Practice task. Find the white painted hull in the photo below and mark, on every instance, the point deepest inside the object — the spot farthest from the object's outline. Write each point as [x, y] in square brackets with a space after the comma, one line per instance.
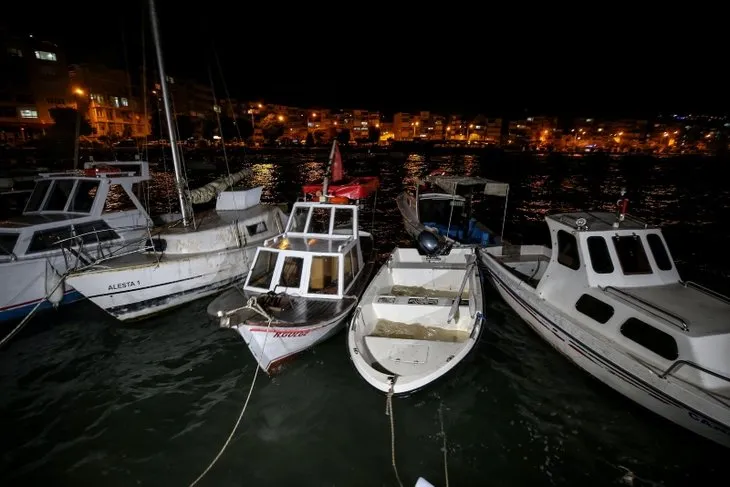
[138, 291]
[272, 345]
[667, 397]
[420, 344]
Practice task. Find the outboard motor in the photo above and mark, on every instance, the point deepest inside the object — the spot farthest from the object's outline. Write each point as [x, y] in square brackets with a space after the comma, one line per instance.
[429, 243]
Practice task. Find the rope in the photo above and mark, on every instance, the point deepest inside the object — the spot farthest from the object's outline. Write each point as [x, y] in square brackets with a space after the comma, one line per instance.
[32, 312]
[443, 435]
[252, 304]
[389, 412]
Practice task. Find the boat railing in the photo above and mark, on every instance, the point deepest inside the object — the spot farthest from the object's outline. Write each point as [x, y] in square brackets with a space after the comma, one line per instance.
[706, 290]
[650, 308]
[80, 249]
[681, 363]
[457, 300]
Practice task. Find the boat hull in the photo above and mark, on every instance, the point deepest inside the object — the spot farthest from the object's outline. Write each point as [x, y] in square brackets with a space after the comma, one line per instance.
[629, 377]
[272, 345]
[137, 291]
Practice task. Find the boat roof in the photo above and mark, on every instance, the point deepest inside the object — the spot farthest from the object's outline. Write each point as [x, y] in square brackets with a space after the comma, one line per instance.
[450, 184]
[598, 221]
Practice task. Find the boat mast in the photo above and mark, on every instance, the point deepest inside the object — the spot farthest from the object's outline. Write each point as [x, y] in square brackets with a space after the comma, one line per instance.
[185, 208]
[327, 173]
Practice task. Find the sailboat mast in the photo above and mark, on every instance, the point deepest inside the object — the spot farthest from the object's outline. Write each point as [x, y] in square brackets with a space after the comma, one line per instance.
[328, 173]
[179, 176]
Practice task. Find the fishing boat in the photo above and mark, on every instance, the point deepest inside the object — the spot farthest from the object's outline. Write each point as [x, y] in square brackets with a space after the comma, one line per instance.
[304, 283]
[190, 258]
[71, 219]
[419, 317]
[608, 296]
[443, 204]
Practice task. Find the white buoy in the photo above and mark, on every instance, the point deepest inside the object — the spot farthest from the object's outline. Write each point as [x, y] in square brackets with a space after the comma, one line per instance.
[421, 482]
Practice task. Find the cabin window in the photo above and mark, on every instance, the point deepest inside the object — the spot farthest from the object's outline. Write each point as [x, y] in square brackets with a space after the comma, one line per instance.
[600, 258]
[657, 341]
[568, 250]
[256, 228]
[324, 274]
[349, 274]
[320, 222]
[7, 243]
[59, 195]
[36, 198]
[263, 269]
[355, 260]
[344, 221]
[594, 308]
[659, 251]
[117, 199]
[97, 231]
[299, 219]
[291, 272]
[49, 239]
[83, 200]
[631, 255]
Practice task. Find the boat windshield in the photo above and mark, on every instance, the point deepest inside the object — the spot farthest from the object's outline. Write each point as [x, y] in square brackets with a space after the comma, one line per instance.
[7, 243]
[263, 269]
[71, 195]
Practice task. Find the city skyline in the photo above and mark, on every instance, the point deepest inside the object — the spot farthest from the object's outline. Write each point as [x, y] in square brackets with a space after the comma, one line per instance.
[304, 62]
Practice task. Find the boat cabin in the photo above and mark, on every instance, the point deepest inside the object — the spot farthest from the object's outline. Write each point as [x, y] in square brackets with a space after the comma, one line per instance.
[318, 256]
[95, 204]
[619, 280]
[446, 203]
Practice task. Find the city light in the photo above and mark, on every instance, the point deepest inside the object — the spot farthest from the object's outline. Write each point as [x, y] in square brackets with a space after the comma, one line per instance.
[281, 118]
[79, 92]
[260, 106]
[314, 114]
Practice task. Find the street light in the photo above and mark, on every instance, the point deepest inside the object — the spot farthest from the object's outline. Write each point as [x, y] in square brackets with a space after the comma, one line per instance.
[281, 118]
[77, 93]
[471, 126]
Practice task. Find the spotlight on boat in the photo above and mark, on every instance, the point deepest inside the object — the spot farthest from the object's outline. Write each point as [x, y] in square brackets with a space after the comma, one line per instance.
[428, 242]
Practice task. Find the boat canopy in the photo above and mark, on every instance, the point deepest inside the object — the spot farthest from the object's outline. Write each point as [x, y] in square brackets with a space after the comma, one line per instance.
[354, 188]
[451, 183]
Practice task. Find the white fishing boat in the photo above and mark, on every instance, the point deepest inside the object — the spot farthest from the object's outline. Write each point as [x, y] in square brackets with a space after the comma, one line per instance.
[188, 259]
[71, 219]
[418, 319]
[304, 283]
[608, 296]
[444, 205]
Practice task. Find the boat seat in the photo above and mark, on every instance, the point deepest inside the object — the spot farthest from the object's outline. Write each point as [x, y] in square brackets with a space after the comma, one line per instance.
[403, 356]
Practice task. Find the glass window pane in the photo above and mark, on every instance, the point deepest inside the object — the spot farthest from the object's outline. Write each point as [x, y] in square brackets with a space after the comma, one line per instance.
[659, 342]
[659, 251]
[631, 255]
[324, 274]
[355, 262]
[298, 219]
[343, 221]
[48, 239]
[594, 308]
[263, 269]
[600, 258]
[36, 198]
[320, 222]
[59, 195]
[97, 231]
[117, 200]
[291, 272]
[7, 243]
[568, 250]
[256, 228]
[348, 274]
[84, 197]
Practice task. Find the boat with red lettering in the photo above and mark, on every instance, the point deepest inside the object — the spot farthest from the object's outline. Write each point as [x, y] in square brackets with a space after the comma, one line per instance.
[304, 283]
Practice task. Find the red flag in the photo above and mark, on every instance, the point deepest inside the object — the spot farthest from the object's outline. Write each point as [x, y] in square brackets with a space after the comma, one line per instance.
[338, 172]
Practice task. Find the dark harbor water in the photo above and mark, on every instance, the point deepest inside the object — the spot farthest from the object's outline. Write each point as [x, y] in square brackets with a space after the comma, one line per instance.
[86, 401]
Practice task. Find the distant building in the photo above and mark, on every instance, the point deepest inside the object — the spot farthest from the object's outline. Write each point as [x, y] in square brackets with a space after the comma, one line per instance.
[404, 126]
[33, 79]
[112, 104]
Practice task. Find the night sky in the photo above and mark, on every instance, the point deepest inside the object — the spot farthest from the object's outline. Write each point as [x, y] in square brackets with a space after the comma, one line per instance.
[408, 56]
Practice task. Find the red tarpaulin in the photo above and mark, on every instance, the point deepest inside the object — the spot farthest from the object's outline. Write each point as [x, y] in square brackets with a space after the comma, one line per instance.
[354, 189]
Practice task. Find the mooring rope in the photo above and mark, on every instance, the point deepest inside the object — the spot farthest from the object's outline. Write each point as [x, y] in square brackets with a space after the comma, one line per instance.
[253, 305]
[389, 412]
[443, 436]
[32, 312]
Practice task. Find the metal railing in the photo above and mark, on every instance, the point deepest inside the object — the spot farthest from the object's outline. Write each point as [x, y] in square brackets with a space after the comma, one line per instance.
[706, 290]
[650, 307]
[725, 400]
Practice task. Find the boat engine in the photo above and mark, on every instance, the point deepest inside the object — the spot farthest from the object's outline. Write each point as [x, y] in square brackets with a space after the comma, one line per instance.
[430, 243]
